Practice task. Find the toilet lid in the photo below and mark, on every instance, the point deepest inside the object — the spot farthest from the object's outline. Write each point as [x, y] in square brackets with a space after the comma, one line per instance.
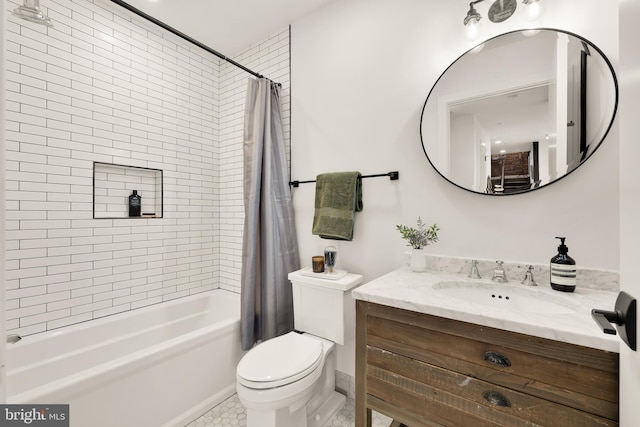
[280, 361]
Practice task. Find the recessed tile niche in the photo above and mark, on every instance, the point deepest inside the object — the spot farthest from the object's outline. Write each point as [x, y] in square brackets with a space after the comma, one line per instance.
[113, 184]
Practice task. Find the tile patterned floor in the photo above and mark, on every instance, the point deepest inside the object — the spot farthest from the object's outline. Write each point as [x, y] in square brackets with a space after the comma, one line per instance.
[232, 413]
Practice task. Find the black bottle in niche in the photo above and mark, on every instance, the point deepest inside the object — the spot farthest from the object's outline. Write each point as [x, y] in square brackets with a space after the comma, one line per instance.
[135, 204]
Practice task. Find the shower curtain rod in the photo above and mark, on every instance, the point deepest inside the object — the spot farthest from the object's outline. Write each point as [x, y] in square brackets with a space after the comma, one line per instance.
[395, 175]
[186, 37]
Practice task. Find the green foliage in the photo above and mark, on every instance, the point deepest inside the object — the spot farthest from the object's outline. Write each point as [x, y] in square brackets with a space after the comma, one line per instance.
[419, 237]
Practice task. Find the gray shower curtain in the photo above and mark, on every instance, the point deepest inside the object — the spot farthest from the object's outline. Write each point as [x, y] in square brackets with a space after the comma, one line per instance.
[270, 247]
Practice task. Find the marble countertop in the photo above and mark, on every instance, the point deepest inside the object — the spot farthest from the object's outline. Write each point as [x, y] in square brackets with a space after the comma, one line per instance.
[419, 292]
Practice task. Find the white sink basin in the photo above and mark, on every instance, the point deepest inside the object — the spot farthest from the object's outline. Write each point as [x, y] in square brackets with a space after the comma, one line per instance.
[511, 297]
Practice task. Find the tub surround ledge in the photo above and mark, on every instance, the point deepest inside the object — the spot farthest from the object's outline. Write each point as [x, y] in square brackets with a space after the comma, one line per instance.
[408, 290]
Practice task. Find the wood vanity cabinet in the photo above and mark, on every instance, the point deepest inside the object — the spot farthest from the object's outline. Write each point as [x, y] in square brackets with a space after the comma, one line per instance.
[423, 370]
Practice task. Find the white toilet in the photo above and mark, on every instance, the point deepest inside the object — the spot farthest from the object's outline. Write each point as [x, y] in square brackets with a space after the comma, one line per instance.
[289, 381]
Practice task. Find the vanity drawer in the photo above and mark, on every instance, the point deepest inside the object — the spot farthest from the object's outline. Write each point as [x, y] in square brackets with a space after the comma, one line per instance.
[451, 398]
[452, 364]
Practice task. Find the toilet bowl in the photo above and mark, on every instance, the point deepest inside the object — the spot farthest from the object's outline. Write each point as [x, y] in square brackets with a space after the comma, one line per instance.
[289, 381]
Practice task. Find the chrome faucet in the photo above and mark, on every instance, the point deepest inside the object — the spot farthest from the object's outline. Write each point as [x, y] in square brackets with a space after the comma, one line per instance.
[474, 273]
[499, 274]
[528, 277]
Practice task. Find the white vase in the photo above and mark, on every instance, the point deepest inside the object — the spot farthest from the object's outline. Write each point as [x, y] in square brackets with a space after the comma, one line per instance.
[418, 260]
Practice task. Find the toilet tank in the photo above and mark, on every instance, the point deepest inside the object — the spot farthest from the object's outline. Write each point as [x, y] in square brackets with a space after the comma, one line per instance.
[324, 307]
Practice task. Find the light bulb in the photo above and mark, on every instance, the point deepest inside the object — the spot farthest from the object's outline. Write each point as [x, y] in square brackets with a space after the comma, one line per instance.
[472, 30]
[532, 9]
[472, 22]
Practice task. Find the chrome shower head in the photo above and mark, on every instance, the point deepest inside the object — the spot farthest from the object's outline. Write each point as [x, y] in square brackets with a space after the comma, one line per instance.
[30, 11]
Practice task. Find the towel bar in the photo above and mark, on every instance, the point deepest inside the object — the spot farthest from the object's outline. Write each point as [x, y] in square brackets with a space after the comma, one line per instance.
[393, 176]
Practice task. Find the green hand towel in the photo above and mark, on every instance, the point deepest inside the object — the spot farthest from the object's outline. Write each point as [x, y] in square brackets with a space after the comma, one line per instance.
[338, 198]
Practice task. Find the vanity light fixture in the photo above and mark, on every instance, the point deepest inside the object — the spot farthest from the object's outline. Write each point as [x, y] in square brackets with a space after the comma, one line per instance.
[473, 17]
[472, 21]
[499, 11]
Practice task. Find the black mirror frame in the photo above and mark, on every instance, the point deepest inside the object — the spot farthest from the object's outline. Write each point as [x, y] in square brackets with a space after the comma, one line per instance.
[604, 136]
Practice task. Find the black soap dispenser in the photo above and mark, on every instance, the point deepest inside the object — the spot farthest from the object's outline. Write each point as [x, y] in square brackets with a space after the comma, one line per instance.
[563, 270]
[135, 204]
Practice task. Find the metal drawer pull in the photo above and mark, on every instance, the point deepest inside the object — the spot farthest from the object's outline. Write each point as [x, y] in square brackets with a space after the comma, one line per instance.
[496, 358]
[496, 398]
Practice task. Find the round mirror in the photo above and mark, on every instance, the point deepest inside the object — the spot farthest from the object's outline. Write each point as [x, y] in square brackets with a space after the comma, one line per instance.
[519, 111]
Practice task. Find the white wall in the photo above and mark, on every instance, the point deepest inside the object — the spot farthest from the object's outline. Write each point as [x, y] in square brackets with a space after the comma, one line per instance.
[361, 70]
[463, 141]
[630, 204]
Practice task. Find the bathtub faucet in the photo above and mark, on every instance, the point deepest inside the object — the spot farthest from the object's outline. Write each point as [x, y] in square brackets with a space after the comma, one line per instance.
[13, 338]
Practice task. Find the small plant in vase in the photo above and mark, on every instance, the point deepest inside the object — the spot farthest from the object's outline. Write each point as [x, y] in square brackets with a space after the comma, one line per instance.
[418, 239]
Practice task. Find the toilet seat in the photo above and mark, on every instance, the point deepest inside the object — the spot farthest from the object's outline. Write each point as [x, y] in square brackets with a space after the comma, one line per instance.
[280, 361]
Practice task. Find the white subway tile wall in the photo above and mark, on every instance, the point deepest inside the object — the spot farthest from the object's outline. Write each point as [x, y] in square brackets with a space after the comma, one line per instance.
[104, 85]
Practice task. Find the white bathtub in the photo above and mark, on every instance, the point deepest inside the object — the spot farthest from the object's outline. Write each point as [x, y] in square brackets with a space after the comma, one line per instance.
[161, 365]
